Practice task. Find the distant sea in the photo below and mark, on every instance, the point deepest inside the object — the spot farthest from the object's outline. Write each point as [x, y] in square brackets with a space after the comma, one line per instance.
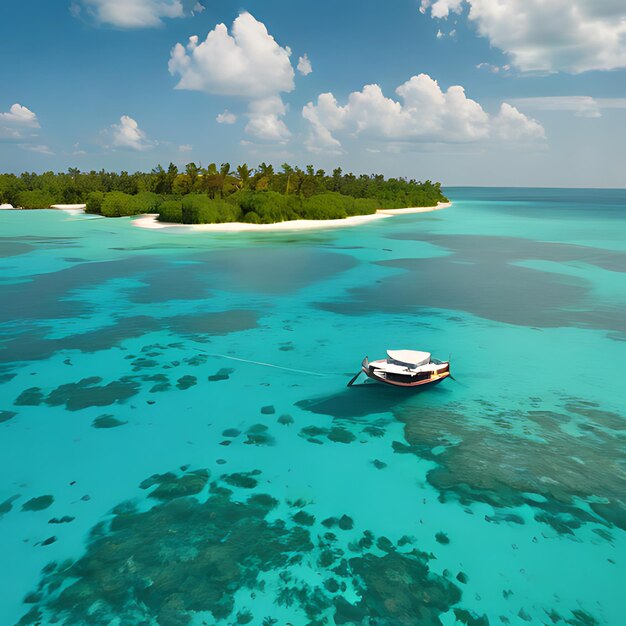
[178, 444]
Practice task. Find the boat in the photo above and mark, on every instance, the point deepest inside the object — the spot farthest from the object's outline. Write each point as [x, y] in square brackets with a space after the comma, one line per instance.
[405, 368]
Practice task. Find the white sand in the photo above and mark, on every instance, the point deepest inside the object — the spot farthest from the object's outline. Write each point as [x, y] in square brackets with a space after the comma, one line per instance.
[72, 209]
[150, 221]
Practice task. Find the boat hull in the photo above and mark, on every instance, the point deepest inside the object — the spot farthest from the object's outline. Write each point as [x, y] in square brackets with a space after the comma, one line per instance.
[405, 381]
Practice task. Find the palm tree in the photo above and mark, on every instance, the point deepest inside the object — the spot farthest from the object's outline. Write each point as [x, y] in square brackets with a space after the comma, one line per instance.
[243, 172]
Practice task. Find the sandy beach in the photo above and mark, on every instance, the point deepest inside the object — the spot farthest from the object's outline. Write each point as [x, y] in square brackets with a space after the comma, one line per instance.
[150, 221]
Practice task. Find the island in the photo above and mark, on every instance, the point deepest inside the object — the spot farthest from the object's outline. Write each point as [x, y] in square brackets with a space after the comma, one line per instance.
[221, 195]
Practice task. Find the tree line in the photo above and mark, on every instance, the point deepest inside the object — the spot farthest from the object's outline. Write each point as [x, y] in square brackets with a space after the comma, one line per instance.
[198, 194]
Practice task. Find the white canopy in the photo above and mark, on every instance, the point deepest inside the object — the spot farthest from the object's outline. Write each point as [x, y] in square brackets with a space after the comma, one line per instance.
[409, 357]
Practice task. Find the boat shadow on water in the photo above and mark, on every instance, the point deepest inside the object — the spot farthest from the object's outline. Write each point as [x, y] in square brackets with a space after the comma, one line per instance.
[363, 399]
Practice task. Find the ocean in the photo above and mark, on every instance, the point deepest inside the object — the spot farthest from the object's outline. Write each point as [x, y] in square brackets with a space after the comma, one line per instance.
[178, 444]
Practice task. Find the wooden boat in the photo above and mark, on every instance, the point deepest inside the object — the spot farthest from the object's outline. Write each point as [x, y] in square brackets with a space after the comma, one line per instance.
[405, 368]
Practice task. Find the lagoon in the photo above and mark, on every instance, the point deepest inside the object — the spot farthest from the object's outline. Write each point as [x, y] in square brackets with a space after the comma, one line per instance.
[151, 452]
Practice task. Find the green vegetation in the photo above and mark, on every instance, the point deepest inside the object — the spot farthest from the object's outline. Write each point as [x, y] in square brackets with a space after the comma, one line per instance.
[200, 195]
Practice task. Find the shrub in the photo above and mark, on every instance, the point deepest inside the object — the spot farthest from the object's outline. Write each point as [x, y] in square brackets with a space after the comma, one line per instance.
[119, 204]
[329, 206]
[171, 211]
[252, 218]
[116, 204]
[94, 202]
[144, 202]
[35, 199]
[200, 209]
[269, 206]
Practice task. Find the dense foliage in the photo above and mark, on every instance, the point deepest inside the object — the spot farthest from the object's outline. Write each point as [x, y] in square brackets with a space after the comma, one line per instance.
[204, 195]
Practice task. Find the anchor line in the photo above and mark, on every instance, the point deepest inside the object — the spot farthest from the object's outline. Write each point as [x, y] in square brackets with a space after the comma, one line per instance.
[261, 363]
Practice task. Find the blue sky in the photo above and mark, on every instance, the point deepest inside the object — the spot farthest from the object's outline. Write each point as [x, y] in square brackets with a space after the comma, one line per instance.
[468, 92]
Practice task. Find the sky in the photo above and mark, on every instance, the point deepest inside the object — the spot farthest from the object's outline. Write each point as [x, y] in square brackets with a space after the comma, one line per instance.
[465, 92]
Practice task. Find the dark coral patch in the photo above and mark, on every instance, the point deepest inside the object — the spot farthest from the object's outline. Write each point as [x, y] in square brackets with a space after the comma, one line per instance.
[186, 555]
[5, 416]
[231, 432]
[185, 382]
[222, 374]
[258, 435]
[33, 396]
[170, 486]
[303, 518]
[38, 504]
[557, 457]
[161, 381]
[397, 588]
[245, 480]
[66, 519]
[337, 434]
[107, 421]
[163, 565]
[87, 392]
[7, 505]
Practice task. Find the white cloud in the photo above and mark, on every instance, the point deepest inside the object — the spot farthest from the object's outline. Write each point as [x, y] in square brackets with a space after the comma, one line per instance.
[547, 36]
[265, 120]
[226, 117]
[185, 148]
[40, 148]
[494, 69]
[441, 8]
[426, 114]
[304, 65]
[248, 63]
[580, 106]
[18, 123]
[127, 134]
[511, 125]
[135, 13]
[19, 115]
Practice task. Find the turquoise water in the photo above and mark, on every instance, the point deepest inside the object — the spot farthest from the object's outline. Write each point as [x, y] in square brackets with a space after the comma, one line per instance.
[178, 444]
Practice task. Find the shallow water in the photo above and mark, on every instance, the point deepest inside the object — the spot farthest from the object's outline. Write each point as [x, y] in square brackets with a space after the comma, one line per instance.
[178, 445]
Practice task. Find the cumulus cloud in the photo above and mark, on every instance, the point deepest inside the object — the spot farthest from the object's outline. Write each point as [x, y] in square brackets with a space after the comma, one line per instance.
[18, 123]
[185, 148]
[426, 114]
[127, 134]
[304, 65]
[511, 125]
[561, 35]
[226, 117]
[19, 115]
[135, 13]
[265, 119]
[441, 8]
[247, 63]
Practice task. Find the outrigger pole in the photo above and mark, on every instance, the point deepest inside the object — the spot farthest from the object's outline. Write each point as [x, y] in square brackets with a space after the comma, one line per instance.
[354, 379]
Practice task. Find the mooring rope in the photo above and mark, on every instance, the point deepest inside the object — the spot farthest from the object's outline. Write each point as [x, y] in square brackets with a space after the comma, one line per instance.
[278, 367]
